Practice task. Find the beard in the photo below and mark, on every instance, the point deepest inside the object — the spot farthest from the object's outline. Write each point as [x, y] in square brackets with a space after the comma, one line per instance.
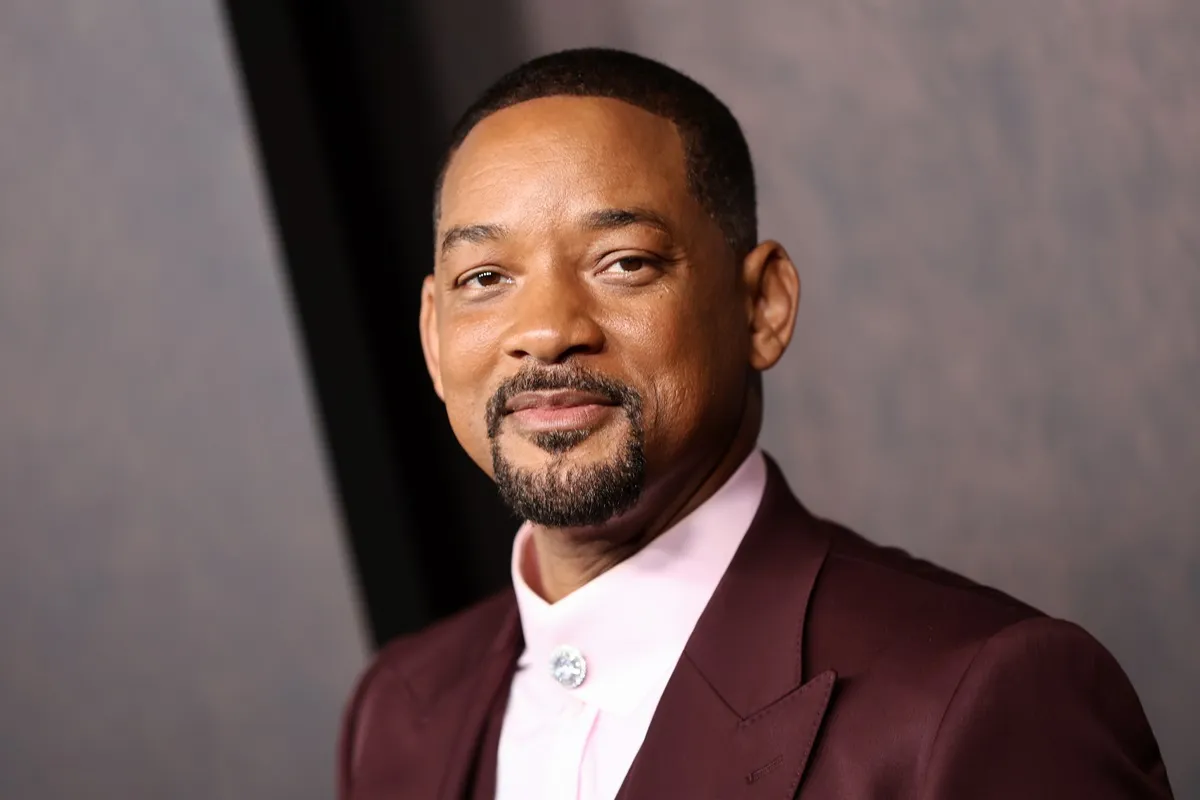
[563, 495]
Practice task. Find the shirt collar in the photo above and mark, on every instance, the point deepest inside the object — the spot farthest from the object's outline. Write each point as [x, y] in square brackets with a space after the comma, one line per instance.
[632, 622]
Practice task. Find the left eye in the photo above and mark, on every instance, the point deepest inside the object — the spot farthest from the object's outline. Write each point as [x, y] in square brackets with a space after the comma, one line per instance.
[628, 264]
[483, 279]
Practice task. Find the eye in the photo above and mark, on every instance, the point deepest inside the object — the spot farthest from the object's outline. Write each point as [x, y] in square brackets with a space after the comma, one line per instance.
[632, 270]
[482, 279]
[629, 265]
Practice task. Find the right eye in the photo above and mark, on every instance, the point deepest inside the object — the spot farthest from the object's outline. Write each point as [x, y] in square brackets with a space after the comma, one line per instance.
[483, 279]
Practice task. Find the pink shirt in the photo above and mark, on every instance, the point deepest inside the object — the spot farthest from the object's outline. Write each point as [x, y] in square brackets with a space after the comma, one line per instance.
[629, 625]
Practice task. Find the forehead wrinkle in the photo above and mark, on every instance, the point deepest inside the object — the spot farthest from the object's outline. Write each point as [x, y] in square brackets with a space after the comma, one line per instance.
[475, 191]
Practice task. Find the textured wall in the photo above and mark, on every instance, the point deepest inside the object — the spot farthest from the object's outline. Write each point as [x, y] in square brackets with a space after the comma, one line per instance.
[177, 620]
[995, 208]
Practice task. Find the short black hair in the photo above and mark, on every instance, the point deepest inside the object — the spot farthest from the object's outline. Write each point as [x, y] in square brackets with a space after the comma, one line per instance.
[720, 171]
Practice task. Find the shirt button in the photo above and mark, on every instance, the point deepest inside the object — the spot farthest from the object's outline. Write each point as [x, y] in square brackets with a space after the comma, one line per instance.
[568, 667]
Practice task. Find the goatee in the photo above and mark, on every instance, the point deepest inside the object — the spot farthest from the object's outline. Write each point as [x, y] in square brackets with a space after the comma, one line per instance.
[563, 495]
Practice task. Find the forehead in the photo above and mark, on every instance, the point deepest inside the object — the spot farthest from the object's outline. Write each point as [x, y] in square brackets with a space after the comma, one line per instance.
[553, 156]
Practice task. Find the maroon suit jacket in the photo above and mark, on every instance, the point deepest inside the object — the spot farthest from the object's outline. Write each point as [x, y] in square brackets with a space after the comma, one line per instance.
[823, 667]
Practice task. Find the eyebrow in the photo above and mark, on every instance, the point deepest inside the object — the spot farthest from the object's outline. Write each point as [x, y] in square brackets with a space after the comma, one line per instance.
[605, 219]
[608, 219]
[474, 234]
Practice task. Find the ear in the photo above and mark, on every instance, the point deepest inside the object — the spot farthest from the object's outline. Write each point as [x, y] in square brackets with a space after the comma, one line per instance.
[772, 288]
[429, 334]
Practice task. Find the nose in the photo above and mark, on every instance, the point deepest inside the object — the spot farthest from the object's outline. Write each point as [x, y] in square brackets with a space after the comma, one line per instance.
[552, 320]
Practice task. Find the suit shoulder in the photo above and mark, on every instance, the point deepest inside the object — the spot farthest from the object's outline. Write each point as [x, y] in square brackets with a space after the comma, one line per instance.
[901, 605]
[903, 574]
[447, 641]
[410, 669]
[1082, 729]
[431, 656]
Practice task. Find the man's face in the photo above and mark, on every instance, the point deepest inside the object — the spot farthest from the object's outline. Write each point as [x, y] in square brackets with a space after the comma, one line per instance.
[585, 322]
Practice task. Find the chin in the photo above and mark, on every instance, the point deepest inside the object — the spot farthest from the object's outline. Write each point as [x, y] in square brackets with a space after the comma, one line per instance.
[571, 478]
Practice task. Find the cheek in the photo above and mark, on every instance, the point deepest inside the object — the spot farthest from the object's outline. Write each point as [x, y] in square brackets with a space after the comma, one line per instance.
[687, 355]
[466, 372]
[467, 420]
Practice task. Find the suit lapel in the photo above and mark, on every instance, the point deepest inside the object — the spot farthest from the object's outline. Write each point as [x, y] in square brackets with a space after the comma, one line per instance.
[423, 738]
[476, 702]
[739, 717]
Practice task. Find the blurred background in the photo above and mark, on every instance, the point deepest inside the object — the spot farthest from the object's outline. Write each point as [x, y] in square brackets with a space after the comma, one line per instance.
[224, 477]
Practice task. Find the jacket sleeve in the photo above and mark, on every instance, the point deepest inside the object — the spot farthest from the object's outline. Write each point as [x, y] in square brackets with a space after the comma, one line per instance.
[1044, 711]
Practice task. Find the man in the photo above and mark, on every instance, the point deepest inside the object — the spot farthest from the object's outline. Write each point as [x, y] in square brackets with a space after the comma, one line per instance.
[597, 321]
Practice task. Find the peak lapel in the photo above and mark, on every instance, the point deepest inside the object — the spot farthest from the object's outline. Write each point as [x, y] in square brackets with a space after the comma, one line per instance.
[738, 719]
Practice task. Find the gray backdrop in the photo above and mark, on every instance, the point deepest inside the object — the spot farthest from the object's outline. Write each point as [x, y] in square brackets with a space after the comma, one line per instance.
[177, 615]
[995, 207]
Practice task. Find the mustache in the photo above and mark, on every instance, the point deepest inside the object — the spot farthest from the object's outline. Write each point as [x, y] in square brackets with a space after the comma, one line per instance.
[573, 378]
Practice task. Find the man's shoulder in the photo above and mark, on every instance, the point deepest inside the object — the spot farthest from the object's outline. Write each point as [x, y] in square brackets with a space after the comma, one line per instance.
[894, 604]
[444, 649]
[472, 630]
[404, 681]
[894, 574]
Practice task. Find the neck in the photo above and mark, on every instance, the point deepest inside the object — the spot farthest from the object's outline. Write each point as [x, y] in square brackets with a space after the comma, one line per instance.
[562, 560]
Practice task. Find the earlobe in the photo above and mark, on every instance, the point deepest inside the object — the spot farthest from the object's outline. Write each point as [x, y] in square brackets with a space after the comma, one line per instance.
[773, 286]
[429, 334]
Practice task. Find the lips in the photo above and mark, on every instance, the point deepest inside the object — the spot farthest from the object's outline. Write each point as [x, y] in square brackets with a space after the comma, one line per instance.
[558, 410]
[560, 399]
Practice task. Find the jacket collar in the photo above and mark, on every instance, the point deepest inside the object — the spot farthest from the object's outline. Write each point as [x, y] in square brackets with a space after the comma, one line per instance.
[739, 716]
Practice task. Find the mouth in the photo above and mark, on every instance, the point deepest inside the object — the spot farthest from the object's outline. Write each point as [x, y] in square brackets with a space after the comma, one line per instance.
[559, 410]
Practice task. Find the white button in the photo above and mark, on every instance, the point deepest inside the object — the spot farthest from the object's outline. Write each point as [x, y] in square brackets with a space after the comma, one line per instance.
[568, 667]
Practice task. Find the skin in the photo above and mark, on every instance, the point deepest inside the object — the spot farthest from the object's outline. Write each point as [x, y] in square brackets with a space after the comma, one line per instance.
[533, 267]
